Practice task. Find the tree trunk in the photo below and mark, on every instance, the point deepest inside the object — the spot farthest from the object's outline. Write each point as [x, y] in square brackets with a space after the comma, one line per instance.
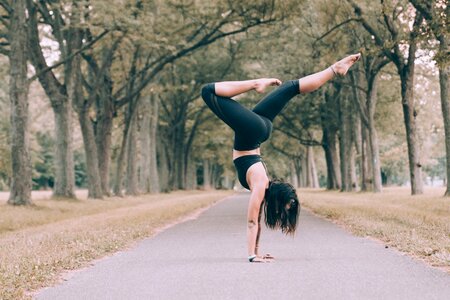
[365, 184]
[373, 138]
[144, 141]
[64, 166]
[294, 178]
[206, 174]
[132, 178]
[20, 193]
[154, 113]
[163, 167]
[409, 114]
[444, 72]
[313, 181]
[191, 178]
[104, 125]
[345, 144]
[90, 149]
[120, 166]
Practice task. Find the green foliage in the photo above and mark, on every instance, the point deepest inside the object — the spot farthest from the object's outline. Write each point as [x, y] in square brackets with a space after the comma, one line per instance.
[43, 173]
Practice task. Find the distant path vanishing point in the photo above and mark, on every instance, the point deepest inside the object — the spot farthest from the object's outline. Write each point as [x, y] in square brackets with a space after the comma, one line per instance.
[206, 259]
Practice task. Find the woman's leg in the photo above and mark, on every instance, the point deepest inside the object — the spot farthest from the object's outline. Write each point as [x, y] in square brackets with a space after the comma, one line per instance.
[238, 117]
[314, 81]
[233, 88]
[271, 105]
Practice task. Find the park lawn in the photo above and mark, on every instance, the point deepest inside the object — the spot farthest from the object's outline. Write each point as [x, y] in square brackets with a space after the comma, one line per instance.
[417, 225]
[38, 243]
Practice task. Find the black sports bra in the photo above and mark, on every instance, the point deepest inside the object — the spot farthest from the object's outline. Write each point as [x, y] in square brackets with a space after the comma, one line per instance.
[243, 163]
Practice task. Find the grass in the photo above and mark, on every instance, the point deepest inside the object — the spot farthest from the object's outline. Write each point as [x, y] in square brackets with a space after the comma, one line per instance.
[417, 225]
[38, 243]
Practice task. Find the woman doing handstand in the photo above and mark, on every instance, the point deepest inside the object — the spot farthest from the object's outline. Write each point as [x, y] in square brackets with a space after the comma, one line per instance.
[252, 127]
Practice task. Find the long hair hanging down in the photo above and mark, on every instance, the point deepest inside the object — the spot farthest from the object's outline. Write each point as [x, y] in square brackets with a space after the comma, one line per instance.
[281, 207]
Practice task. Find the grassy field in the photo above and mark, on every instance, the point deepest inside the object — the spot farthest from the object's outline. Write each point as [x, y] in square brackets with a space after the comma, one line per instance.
[38, 243]
[419, 225]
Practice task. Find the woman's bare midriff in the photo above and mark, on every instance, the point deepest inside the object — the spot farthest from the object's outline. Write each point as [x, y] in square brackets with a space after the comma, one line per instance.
[237, 153]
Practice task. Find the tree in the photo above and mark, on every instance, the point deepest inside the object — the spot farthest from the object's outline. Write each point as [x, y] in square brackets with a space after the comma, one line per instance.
[390, 40]
[436, 14]
[21, 165]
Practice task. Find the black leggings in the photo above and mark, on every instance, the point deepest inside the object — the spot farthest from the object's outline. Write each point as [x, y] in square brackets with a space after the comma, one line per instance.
[251, 127]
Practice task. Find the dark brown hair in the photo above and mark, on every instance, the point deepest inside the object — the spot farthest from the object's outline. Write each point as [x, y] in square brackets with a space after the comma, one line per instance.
[278, 197]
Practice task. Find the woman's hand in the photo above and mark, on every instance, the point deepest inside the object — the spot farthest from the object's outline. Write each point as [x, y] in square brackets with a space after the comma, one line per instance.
[260, 259]
[263, 83]
[267, 256]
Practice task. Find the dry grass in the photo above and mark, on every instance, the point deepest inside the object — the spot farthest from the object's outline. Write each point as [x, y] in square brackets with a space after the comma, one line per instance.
[419, 225]
[38, 243]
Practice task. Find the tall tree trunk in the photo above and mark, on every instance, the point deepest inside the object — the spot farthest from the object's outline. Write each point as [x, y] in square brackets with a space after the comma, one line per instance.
[21, 165]
[87, 130]
[444, 72]
[144, 141]
[332, 160]
[293, 172]
[409, 114]
[345, 144]
[64, 166]
[373, 138]
[163, 166]
[120, 166]
[313, 181]
[104, 126]
[365, 184]
[132, 179]
[154, 177]
[191, 178]
[206, 174]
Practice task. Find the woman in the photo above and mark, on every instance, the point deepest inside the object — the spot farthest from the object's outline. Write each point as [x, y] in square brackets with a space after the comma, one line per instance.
[251, 128]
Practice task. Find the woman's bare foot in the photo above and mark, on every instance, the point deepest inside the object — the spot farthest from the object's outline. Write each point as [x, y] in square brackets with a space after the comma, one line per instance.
[263, 83]
[342, 66]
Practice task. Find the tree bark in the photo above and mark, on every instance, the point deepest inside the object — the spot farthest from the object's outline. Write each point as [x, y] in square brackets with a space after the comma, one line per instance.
[409, 114]
[163, 166]
[206, 174]
[103, 138]
[120, 166]
[20, 193]
[64, 165]
[345, 144]
[154, 176]
[313, 181]
[444, 72]
[373, 137]
[94, 183]
[132, 178]
[144, 141]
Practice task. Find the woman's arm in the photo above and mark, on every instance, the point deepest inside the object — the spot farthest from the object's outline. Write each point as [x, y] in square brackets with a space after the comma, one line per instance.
[252, 218]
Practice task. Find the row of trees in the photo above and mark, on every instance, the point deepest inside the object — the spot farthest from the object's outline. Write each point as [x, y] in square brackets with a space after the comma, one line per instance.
[131, 72]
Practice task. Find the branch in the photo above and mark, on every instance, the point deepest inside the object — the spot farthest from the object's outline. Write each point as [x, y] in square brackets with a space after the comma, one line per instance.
[282, 151]
[334, 28]
[171, 58]
[394, 57]
[6, 6]
[389, 23]
[88, 45]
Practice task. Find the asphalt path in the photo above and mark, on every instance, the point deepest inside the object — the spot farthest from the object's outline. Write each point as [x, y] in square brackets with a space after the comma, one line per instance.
[205, 258]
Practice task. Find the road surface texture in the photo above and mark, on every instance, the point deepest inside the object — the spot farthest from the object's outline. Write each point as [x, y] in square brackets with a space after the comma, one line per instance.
[206, 259]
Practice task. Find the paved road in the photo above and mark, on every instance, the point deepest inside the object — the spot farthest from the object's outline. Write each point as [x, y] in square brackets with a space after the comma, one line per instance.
[205, 259]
